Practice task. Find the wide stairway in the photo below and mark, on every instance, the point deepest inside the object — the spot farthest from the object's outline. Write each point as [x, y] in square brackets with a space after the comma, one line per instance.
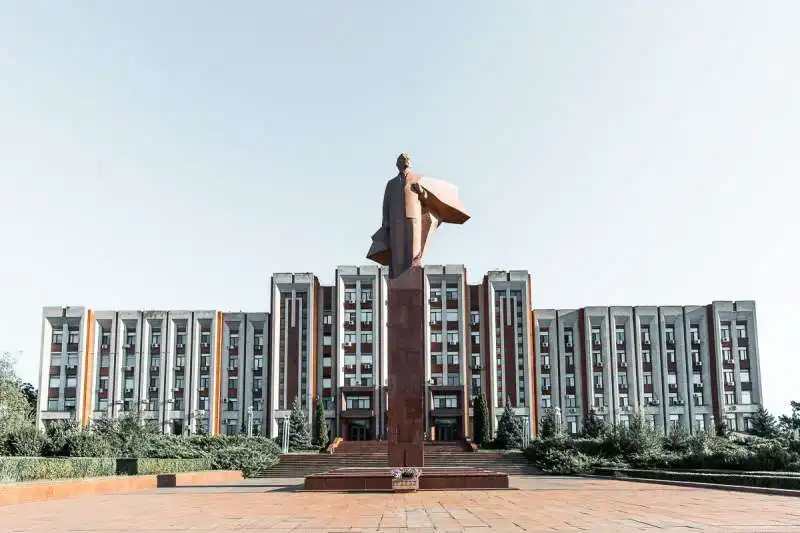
[361, 454]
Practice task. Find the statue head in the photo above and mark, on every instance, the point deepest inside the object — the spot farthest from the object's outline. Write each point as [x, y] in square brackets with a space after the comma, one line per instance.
[403, 162]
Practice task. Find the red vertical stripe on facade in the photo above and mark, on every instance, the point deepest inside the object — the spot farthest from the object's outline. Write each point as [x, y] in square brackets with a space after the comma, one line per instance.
[292, 350]
[486, 379]
[587, 402]
[712, 356]
[534, 407]
[510, 347]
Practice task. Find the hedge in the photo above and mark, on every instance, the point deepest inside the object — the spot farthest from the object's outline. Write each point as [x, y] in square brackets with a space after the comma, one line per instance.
[142, 466]
[16, 469]
[772, 481]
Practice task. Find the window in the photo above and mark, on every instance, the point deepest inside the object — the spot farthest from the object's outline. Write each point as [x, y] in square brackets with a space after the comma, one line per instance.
[645, 332]
[699, 423]
[258, 363]
[103, 384]
[694, 334]
[620, 334]
[697, 378]
[572, 425]
[599, 401]
[155, 337]
[730, 398]
[130, 337]
[698, 398]
[570, 381]
[728, 378]
[568, 338]
[672, 379]
[452, 315]
[544, 338]
[621, 357]
[569, 359]
[744, 376]
[741, 331]
[233, 338]
[74, 336]
[452, 359]
[179, 381]
[326, 383]
[452, 338]
[622, 380]
[258, 382]
[646, 356]
[436, 294]
[597, 358]
[445, 402]
[72, 382]
[671, 356]
[366, 317]
[746, 399]
[437, 358]
[366, 293]
[647, 378]
[725, 332]
[695, 357]
[436, 337]
[180, 337]
[595, 335]
[69, 404]
[233, 382]
[204, 382]
[55, 360]
[233, 363]
[350, 295]
[546, 402]
[623, 400]
[726, 355]
[669, 334]
[128, 384]
[546, 359]
[572, 401]
[451, 293]
[545, 382]
[598, 381]
[474, 317]
[58, 336]
[742, 354]
[358, 402]
[52, 404]
[55, 382]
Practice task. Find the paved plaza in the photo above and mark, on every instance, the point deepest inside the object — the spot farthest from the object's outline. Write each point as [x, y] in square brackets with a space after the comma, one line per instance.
[540, 504]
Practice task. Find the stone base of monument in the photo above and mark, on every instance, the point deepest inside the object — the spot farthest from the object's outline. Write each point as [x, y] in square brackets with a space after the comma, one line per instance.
[431, 478]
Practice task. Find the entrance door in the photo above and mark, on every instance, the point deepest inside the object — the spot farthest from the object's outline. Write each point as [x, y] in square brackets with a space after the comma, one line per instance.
[359, 430]
[446, 430]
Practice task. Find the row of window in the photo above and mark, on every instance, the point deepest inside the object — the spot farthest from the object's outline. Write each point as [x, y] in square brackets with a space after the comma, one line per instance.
[669, 334]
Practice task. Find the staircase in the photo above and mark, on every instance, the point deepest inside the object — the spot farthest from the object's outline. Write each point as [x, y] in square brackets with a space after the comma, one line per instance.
[366, 454]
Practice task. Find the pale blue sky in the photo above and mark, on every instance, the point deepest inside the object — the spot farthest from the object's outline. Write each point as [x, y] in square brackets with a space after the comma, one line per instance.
[175, 154]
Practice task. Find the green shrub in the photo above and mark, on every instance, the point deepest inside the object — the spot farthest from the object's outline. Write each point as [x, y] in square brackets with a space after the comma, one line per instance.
[15, 469]
[22, 441]
[551, 457]
[148, 466]
[86, 444]
[248, 459]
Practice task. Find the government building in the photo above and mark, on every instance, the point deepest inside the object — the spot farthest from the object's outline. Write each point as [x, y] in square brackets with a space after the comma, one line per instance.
[220, 372]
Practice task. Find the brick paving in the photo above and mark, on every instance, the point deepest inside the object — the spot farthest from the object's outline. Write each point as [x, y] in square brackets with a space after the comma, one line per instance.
[540, 504]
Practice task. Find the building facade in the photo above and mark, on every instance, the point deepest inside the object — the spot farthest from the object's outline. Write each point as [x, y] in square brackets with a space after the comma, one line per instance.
[219, 372]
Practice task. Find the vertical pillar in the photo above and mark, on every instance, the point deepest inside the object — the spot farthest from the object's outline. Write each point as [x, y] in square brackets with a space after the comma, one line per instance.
[406, 366]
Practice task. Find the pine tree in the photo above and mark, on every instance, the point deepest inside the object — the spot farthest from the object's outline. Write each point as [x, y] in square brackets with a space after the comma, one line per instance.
[548, 425]
[299, 438]
[509, 429]
[790, 424]
[763, 424]
[594, 426]
[480, 420]
[320, 439]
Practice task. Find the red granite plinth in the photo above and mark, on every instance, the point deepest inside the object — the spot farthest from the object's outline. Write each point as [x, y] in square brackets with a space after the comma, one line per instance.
[380, 479]
[406, 356]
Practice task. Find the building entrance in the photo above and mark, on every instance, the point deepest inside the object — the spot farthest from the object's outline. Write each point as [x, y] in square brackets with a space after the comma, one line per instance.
[447, 429]
[360, 430]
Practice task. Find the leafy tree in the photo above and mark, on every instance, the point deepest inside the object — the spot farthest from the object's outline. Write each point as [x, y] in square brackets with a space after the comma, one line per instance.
[299, 438]
[594, 426]
[509, 429]
[320, 439]
[764, 424]
[677, 439]
[790, 424]
[721, 428]
[480, 420]
[15, 411]
[31, 395]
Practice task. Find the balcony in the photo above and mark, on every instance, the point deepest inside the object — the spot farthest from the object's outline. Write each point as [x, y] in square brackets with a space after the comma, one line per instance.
[453, 346]
[55, 347]
[546, 390]
[435, 325]
[672, 366]
[728, 363]
[366, 326]
[55, 371]
[476, 366]
[569, 347]
[744, 363]
[647, 366]
[366, 368]
[349, 347]
[435, 301]
[180, 349]
[698, 387]
[452, 302]
[155, 349]
[569, 369]
[52, 392]
[545, 368]
[436, 346]
[349, 369]
[648, 388]
[258, 349]
[670, 343]
[623, 389]
[570, 389]
[697, 366]
[233, 393]
[72, 347]
[747, 386]
[597, 367]
[695, 343]
[258, 392]
[233, 350]
[622, 366]
[233, 371]
[673, 387]
[205, 348]
[71, 370]
[743, 342]
[349, 304]
[730, 386]
[349, 325]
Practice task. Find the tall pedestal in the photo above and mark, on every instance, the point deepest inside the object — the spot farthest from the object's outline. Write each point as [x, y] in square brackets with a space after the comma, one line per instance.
[406, 354]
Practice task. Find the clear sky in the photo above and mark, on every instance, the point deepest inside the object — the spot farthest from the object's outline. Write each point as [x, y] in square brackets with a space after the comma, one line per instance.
[175, 154]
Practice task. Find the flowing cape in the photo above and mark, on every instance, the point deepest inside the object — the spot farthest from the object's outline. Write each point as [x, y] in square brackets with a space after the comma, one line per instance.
[443, 203]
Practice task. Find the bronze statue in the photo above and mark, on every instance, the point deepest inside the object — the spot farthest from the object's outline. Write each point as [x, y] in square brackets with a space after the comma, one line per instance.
[413, 207]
